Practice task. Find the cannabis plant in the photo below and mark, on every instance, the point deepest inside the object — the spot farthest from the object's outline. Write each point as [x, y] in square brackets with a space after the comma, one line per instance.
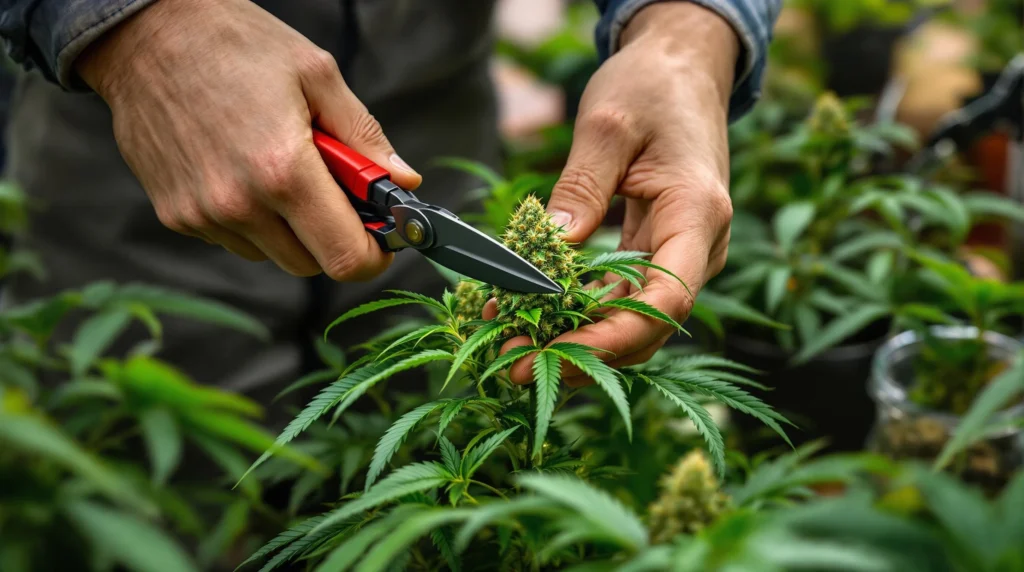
[485, 429]
[825, 252]
[91, 444]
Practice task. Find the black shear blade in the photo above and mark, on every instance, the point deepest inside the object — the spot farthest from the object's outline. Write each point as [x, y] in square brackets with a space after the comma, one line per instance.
[472, 253]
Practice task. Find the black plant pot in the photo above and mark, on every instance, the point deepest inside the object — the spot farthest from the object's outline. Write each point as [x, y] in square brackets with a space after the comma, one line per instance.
[825, 397]
[860, 61]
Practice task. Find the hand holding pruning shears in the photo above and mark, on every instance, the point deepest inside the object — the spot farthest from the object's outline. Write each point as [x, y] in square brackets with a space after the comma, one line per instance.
[225, 152]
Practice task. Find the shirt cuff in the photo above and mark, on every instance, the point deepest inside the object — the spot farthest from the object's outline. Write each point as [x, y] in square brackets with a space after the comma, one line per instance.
[751, 20]
[63, 29]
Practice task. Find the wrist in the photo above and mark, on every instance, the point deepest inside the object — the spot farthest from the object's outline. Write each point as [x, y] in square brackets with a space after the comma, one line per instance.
[690, 38]
[110, 61]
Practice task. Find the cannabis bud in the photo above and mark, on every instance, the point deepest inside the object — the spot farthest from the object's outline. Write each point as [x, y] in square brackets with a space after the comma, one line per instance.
[532, 234]
[469, 300]
[690, 499]
[829, 117]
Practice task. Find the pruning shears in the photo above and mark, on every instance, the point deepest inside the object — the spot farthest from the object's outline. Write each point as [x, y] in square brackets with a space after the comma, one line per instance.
[397, 220]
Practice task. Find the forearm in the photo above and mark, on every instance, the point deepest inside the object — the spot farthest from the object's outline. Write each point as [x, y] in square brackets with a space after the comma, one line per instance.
[691, 39]
[751, 22]
[51, 34]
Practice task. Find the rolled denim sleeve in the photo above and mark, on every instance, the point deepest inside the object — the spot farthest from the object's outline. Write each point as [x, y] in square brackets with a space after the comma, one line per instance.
[751, 19]
[49, 35]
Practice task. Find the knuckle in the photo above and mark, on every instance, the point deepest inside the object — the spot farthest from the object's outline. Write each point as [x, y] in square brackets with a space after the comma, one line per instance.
[276, 170]
[346, 264]
[230, 208]
[172, 220]
[581, 187]
[318, 63]
[366, 129]
[608, 122]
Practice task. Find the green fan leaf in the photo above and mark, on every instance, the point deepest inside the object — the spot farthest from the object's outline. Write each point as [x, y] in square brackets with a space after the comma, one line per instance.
[394, 437]
[791, 221]
[450, 455]
[733, 309]
[608, 518]
[319, 405]
[605, 377]
[95, 335]
[776, 287]
[700, 417]
[411, 362]
[164, 301]
[476, 456]
[486, 334]
[448, 414]
[736, 398]
[285, 538]
[163, 442]
[422, 299]
[368, 308]
[840, 329]
[41, 439]
[129, 540]
[641, 307]
[406, 532]
[1006, 388]
[507, 359]
[409, 479]
[547, 374]
[417, 336]
[991, 205]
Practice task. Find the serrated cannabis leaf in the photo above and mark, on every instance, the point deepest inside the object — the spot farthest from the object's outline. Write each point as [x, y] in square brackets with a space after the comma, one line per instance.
[840, 329]
[547, 375]
[700, 417]
[409, 479]
[609, 518]
[605, 377]
[368, 308]
[482, 336]
[641, 307]
[475, 456]
[506, 360]
[394, 437]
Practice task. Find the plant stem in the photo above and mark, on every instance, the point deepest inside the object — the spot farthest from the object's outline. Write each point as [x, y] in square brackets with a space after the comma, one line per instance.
[489, 487]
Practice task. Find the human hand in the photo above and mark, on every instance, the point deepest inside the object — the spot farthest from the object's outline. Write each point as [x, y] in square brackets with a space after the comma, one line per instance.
[213, 104]
[652, 128]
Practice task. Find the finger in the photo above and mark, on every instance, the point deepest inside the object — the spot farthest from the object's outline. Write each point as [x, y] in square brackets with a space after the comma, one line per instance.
[234, 243]
[322, 218]
[603, 147]
[336, 110]
[523, 367]
[490, 310]
[276, 239]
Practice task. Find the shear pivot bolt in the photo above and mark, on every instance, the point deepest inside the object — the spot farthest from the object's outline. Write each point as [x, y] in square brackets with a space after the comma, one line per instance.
[414, 232]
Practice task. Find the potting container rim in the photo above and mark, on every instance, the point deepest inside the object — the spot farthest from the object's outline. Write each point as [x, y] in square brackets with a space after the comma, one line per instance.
[887, 390]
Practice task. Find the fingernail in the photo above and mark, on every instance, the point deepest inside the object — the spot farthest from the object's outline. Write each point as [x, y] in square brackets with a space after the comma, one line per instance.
[398, 162]
[562, 219]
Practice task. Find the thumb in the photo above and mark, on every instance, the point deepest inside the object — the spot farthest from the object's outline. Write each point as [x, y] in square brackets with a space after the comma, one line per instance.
[600, 155]
[337, 111]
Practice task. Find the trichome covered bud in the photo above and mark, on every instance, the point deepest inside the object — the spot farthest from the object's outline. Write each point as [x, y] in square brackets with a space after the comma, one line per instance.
[469, 300]
[532, 234]
[690, 499]
[829, 116]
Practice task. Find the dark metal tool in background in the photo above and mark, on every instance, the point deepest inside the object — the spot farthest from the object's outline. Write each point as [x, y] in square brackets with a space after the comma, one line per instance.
[397, 219]
[1002, 107]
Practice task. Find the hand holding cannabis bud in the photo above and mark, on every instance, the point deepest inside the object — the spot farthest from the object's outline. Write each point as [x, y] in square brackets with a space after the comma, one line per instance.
[652, 129]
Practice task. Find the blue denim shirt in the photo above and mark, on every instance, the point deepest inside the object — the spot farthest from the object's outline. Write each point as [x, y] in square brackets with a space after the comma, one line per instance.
[50, 34]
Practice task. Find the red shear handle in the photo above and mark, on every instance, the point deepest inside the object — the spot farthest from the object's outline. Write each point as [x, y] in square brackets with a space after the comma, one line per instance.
[355, 172]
